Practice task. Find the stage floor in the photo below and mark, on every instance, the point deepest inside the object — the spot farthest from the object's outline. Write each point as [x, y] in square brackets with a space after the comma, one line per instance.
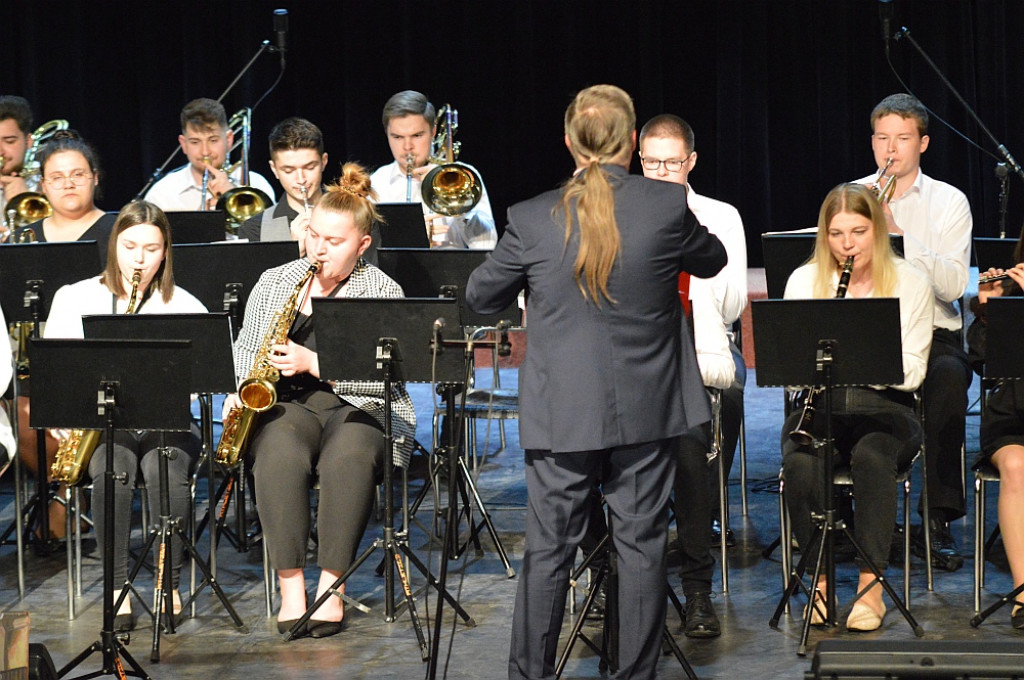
[208, 646]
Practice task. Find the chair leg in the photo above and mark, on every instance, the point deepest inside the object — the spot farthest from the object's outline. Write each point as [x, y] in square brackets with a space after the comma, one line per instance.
[70, 535]
[743, 462]
[268, 579]
[979, 540]
[906, 542]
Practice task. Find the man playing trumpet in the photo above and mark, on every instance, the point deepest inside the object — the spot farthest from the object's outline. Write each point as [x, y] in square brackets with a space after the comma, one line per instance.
[935, 221]
[206, 141]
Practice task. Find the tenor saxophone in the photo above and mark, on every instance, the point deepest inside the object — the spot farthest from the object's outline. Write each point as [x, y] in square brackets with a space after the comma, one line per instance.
[258, 392]
[75, 451]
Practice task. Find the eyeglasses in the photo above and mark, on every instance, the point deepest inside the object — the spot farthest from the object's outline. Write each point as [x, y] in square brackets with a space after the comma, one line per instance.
[77, 178]
[654, 163]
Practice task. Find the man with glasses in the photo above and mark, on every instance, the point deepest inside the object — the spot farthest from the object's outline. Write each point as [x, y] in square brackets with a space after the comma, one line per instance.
[935, 221]
[667, 154]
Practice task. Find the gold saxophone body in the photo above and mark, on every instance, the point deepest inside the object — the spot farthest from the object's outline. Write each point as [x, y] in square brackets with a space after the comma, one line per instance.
[75, 451]
[258, 392]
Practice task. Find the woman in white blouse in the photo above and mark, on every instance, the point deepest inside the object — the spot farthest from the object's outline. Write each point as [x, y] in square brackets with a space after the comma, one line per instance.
[875, 429]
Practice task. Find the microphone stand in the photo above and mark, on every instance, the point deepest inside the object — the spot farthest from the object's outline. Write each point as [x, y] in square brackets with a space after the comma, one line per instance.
[904, 32]
[265, 46]
[1004, 196]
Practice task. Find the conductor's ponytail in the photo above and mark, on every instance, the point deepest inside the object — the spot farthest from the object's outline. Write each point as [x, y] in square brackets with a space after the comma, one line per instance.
[599, 124]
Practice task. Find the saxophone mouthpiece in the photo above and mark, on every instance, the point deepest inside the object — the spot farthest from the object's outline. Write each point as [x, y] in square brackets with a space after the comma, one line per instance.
[137, 277]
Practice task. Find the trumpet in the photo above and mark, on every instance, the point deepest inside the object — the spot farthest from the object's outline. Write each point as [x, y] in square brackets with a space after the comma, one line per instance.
[305, 197]
[206, 183]
[884, 192]
[801, 434]
[408, 177]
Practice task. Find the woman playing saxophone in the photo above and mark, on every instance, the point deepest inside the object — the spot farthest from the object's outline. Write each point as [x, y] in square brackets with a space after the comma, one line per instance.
[140, 242]
[333, 431]
[875, 429]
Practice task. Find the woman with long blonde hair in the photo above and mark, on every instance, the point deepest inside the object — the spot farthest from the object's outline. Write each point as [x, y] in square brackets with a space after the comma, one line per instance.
[875, 429]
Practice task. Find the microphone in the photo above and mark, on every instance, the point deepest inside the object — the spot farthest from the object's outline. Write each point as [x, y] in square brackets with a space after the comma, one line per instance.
[281, 32]
[886, 8]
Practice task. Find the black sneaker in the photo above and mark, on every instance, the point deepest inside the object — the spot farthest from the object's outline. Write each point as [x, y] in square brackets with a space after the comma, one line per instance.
[945, 554]
[599, 603]
[701, 620]
[716, 535]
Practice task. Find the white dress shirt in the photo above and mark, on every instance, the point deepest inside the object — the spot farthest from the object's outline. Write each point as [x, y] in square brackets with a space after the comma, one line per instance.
[6, 373]
[916, 311]
[178, 190]
[474, 230]
[91, 296]
[729, 286]
[936, 220]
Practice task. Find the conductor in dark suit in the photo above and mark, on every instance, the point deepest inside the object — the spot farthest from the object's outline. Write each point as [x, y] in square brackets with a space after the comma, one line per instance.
[608, 382]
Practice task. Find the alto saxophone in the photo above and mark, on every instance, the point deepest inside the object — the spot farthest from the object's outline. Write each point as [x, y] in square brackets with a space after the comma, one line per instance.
[258, 392]
[75, 451]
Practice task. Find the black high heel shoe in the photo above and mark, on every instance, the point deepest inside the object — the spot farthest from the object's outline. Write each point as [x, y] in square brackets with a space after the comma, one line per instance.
[284, 626]
[321, 629]
[1017, 617]
[124, 622]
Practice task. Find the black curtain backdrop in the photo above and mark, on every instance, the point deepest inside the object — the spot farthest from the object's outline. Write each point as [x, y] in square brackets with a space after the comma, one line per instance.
[778, 91]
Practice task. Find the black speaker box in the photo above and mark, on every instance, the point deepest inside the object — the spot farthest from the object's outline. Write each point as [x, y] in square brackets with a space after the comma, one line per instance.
[918, 659]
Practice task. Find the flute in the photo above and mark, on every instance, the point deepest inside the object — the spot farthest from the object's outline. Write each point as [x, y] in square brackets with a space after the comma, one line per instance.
[990, 279]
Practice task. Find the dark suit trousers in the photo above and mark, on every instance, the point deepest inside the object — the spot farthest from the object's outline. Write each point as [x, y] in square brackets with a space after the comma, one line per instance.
[637, 482]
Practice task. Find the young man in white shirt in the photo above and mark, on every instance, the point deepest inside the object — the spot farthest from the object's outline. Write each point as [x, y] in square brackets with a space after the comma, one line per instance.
[409, 125]
[935, 221]
[206, 141]
[667, 154]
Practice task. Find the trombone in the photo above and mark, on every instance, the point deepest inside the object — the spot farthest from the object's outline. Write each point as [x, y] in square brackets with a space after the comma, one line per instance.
[243, 201]
[451, 188]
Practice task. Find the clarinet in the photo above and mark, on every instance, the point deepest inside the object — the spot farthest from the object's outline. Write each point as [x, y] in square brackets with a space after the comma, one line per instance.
[801, 434]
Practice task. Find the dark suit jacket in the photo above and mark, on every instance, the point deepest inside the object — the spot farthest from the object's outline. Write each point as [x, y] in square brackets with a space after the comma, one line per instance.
[622, 373]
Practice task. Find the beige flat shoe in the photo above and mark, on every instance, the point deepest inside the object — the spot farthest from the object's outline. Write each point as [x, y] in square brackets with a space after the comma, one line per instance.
[863, 617]
[818, 610]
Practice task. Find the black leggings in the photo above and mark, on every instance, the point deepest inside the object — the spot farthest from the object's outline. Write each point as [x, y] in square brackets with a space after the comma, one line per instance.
[134, 450]
[316, 436]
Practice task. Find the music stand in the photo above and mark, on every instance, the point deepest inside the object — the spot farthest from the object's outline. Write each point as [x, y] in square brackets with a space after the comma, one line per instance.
[426, 272]
[212, 372]
[994, 252]
[1003, 361]
[395, 340]
[69, 374]
[30, 275]
[197, 226]
[222, 275]
[853, 345]
[402, 226]
[784, 251]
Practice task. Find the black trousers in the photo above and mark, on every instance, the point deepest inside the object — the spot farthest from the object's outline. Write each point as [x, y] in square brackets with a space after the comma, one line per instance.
[945, 412]
[876, 437]
[316, 436]
[134, 451]
[637, 482]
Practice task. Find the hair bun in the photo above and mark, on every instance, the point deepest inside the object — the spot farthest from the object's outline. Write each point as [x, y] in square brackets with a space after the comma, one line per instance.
[65, 134]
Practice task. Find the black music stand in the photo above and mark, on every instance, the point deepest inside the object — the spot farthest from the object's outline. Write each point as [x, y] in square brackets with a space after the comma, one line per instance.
[197, 226]
[1003, 361]
[994, 252]
[30, 275]
[394, 340]
[426, 272]
[785, 251]
[222, 275]
[402, 226]
[855, 344]
[212, 372]
[69, 374]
